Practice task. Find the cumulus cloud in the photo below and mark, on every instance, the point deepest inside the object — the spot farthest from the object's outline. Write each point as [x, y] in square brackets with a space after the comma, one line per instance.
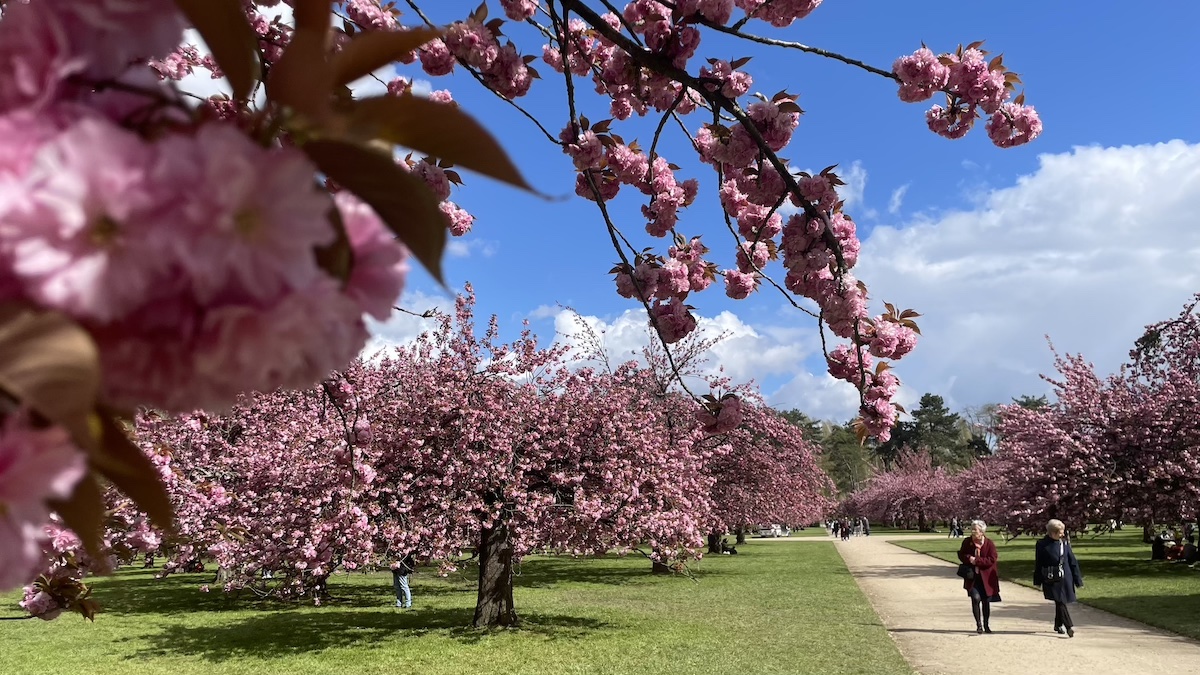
[855, 179]
[465, 248]
[746, 353]
[1088, 249]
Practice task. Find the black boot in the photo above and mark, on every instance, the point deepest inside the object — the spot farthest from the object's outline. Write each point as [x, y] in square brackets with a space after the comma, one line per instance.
[987, 628]
[978, 628]
[1070, 631]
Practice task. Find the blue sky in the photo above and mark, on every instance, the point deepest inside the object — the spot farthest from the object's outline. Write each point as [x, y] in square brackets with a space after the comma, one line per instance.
[1084, 235]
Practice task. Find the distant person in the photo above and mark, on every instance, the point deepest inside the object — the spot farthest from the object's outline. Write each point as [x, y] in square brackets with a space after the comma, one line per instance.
[845, 528]
[1161, 542]
[1054, 558]
[1190, 552]
[866, 527]
[402, 569]
[984, 588]
[953, 528]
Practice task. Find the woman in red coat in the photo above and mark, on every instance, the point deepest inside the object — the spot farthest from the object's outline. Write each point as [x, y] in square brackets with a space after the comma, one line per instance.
[984, 589]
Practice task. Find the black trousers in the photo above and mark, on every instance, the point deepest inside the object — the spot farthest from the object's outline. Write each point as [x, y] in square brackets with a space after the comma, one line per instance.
[1062, 616]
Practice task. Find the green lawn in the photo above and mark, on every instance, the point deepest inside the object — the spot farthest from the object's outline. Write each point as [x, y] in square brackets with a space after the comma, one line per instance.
[1118, 574]
[781, 607]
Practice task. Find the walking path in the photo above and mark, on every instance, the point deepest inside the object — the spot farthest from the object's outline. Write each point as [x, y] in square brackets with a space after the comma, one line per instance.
[926, 611]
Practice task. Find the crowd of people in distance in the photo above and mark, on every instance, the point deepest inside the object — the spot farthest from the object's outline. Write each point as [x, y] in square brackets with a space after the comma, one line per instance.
[845, 528]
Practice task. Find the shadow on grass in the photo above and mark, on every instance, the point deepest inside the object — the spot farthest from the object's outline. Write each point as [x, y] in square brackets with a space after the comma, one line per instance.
[280, 634]
[544, 573]
[179, 594]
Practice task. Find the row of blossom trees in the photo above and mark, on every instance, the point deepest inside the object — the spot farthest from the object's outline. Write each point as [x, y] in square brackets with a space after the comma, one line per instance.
[457, 448]
[1123, 447]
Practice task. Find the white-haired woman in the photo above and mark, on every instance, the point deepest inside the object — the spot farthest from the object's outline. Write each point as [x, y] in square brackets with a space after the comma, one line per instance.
[1057, 571]
[984, 587]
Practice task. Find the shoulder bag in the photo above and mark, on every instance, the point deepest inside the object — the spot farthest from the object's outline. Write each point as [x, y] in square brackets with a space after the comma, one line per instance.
[1054, 573]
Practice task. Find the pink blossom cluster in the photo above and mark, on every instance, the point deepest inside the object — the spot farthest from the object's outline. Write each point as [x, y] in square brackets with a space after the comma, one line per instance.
[971, 84]
[1012, 125]
[779, 13]
[35, 465]
[668, 283]
[519, 10]
[187, 249]
[720, 416]
[476, 45]
[731, 82]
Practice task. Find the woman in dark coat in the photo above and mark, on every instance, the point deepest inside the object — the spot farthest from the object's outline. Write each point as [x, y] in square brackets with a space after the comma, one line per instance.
[984, 588]
[1050, 552]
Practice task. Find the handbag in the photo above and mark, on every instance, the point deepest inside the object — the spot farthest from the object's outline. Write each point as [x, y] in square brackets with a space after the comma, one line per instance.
[966, 571]
[1054, 573]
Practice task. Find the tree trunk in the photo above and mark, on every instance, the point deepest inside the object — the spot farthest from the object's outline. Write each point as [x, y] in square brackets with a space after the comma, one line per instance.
[1148, 532]
[659, 568]
[741, 535]
[494, 604]
[714, 542]
[922, 524]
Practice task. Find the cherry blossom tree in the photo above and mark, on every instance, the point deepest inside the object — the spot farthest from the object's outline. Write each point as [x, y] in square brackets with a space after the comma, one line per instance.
[765, 471]
[1124, 447]
[913, 490]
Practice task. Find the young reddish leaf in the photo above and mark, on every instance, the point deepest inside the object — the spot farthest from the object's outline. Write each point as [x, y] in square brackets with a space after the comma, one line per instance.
[373, 50]
[223, 25]
[909, 313]
[890, 308]
[790, 107]
[481, 13]
[402, 200]
[436, 129]
[302, 79]
[83, 512]
[338, 257]
[128, 468]
[738, 63]
[51, 365]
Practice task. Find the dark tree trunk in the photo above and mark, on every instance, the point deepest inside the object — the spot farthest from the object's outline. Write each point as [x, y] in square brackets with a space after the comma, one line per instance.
[1148, 532]
[494, 604]
[659, 568]
[714, 542]
[741, 535]
[922, 524]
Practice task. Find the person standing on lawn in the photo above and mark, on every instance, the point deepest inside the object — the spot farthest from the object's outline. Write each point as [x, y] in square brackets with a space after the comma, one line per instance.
[401, 570]
[984, 588]
[1053, 557]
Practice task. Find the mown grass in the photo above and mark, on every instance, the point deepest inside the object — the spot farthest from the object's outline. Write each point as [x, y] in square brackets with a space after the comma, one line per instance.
[777, 607]
[1118, 577]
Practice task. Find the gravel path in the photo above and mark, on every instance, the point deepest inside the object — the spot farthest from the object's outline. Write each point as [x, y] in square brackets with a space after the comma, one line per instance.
[927, 612]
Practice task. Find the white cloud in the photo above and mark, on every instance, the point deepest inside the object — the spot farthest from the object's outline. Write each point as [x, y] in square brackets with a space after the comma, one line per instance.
[545, 312]
[897, 199]
[463, 248]
[748, 353]
[1090, 248]
[855, 179]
